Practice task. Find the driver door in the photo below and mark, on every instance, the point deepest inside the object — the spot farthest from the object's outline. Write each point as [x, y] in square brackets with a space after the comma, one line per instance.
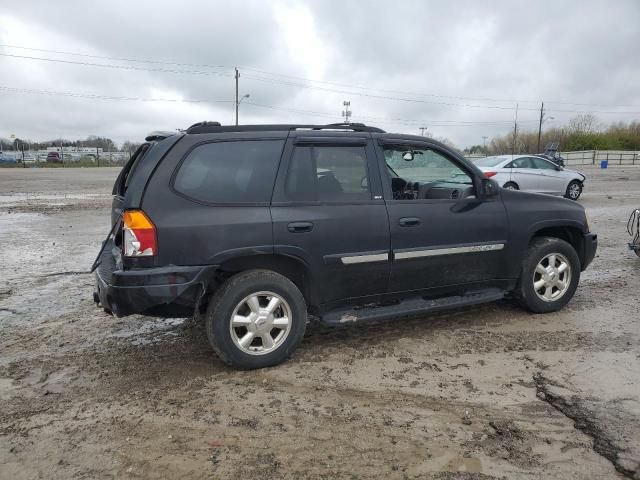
[550, 178]
[441, 234]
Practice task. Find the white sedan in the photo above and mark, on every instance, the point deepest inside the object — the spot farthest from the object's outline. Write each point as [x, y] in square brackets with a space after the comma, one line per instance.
[532, 174]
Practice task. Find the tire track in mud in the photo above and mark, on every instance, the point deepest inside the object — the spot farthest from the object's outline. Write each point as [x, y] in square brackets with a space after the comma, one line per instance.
[586, 419]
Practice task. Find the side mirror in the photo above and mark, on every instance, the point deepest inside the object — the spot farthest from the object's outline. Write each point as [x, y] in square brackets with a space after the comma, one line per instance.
[408, 156]
[490, 188]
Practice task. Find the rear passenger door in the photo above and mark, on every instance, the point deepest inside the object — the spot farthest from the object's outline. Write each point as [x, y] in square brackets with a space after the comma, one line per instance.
[328, 211]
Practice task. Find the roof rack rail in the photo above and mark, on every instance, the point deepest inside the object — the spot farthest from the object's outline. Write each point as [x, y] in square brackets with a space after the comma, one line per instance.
[216, 127]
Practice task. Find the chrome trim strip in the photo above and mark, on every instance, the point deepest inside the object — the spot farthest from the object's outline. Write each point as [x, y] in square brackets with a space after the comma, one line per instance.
[380, 257]
[492, 247]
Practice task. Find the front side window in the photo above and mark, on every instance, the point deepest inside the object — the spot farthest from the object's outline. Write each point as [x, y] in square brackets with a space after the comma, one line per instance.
[541, 164]
[419, 174]
[230, 172]
[328, 174]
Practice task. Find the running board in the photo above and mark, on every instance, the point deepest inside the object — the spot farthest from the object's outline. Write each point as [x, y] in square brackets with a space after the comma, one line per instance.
[410, 307]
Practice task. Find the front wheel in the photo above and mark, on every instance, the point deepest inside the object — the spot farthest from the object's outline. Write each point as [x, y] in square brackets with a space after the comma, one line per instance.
[549, 277]
[511, 186]
[256, 319]
[574, 190]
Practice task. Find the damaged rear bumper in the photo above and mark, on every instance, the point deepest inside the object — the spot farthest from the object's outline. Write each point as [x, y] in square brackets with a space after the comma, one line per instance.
[171, 291]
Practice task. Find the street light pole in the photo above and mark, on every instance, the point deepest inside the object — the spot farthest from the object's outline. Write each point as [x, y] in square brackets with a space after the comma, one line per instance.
[237, 103]
[540, 126]
[422, 129]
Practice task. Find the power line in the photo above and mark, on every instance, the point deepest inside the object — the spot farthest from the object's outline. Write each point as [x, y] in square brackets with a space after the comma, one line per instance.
[123, 67]
[104, 97]
[120, 59]
[92, 96]
[290, 83]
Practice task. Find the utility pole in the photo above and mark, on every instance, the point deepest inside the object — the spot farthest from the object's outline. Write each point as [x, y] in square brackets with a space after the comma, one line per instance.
[422, 129]
[346, 113]
[97, 156]
[515, 132]
[540, 126]
[237, 103]
[484, 142]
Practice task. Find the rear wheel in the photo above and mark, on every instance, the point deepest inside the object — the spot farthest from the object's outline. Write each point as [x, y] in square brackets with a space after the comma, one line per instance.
[574, 190]
[256, 319]
[511, 186]
[549, 277]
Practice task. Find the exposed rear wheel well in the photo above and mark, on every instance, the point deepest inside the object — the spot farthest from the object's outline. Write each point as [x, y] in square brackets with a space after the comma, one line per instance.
[571, 235]
[293, 269]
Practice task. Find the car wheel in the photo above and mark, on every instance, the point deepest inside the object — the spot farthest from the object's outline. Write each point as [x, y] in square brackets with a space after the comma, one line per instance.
[574, 189]
[256, 319]
[511, 186]
[549, 276]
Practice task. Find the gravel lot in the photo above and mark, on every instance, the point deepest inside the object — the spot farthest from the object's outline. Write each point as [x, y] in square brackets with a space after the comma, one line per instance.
[486, 392]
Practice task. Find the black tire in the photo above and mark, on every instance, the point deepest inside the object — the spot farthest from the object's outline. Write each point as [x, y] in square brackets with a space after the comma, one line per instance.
[228, 297]
[511, 186]
[539, 249]
[574, 190]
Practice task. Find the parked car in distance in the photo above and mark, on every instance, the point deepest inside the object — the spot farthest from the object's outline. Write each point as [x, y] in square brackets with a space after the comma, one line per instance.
[251, 228]
[7, 159]
[53, 157]
[531, 173]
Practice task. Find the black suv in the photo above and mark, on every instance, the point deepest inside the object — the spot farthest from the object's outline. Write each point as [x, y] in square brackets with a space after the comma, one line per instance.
[253, 228]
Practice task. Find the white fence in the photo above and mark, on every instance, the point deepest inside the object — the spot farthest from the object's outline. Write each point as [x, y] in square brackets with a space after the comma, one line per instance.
[595, 157]
[591, 157]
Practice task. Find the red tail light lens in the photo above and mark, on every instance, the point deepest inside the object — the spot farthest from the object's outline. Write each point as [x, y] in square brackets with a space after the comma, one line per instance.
[490, 174]
[139, 235]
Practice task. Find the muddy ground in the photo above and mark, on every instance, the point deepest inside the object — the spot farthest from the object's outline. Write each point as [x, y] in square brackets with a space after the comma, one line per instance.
[486, 392]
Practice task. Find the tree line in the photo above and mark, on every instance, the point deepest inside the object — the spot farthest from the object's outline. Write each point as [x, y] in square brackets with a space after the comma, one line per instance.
[92, 141]
[583, 132]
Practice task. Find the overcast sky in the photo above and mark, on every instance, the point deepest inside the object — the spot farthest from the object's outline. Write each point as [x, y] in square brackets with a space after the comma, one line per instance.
[457, 68]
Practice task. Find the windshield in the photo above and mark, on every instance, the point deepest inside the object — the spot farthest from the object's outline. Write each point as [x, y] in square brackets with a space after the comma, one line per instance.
[488, 161]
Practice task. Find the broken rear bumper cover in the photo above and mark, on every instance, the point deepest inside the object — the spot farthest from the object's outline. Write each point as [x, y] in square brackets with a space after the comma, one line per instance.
[171, 291]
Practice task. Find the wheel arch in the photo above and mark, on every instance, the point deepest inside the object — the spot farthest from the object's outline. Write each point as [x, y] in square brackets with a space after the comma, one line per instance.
[293, 268]
[570, 234]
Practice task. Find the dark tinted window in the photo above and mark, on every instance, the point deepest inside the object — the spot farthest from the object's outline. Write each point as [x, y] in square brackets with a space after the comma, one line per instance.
[230, 172]
[327, 173]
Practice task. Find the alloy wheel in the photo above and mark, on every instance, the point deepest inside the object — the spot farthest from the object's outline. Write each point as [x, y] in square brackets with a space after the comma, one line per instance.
[552, 277]
[260, 323]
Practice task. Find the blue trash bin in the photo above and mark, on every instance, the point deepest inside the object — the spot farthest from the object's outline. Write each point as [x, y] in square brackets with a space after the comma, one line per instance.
[604, 163]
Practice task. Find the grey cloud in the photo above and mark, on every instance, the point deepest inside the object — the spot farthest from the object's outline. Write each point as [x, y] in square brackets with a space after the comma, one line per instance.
[581, 52]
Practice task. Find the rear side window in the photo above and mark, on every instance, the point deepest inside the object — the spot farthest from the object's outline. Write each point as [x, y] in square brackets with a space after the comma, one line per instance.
[524, 162]
[122, 182]
[327, 173]
[230, 172]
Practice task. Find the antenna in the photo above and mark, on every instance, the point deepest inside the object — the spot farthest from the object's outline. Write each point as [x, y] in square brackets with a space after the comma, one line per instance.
[346, 113]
